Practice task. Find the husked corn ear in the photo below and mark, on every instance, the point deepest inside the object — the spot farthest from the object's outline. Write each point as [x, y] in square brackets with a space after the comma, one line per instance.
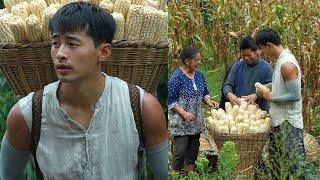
[21, 10]
[3, 12]
[6, 18]
[119, 19]
[260, 89]
[151, 3]
[37, 7]
[63, 2]
[5, 32]
[49, 2]
[106, 5]
[162, 30]
[151, 18]
[18, 28]
[133, 23]
[138, 2]
[122, 6]
[55, 5]
[47, 15]
[34, 32]
[9, 3]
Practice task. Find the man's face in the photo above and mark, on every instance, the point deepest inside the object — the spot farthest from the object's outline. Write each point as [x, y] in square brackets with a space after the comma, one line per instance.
[249, 56]
[266, 51]
[194, 63]
[74, 56]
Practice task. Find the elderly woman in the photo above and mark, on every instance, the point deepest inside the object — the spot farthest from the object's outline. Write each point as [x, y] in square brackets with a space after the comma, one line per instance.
[187, 90]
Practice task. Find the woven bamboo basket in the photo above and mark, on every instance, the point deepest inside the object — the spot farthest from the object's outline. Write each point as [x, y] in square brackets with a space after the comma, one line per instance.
[312, 148]
[28, 67]
[248, 146]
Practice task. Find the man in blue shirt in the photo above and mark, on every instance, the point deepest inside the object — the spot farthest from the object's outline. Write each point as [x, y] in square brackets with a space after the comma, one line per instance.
[245, 73]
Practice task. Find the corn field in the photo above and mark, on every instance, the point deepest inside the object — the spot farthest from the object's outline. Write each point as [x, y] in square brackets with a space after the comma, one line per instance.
[218, 25]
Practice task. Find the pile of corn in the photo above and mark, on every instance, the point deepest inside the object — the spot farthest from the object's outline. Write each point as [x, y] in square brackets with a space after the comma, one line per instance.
[28, 21]
[243, 119]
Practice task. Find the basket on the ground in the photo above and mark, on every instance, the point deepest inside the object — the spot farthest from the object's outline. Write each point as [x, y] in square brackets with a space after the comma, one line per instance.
[248, 146]
[312, 148]
[28, 66]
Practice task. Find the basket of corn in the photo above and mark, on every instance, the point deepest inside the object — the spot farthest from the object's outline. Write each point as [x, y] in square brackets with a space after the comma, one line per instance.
[246, 125]
[140, 47]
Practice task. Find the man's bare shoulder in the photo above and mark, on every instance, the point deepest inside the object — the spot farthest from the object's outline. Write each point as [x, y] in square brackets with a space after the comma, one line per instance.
[289, 71]
[18, 133]
[153, 120]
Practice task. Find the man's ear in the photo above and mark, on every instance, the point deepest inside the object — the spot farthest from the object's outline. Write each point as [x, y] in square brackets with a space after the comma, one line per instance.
[105, 51]
[269, 45]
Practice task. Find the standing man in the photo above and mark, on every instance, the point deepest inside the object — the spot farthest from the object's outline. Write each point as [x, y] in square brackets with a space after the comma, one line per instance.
[245, 73]
[88, 129]
[285, 106]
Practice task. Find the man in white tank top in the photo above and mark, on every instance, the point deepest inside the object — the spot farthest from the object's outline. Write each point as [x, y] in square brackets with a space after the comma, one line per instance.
[88, 129]
[286, 134]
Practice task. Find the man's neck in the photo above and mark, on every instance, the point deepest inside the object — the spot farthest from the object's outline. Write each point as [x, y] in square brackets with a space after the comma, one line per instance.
[278, 50]
[82, 94]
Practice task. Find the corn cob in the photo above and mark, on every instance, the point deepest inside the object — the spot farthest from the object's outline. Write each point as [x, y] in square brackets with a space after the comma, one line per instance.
[55, 5]
[49, 2]
[21, 10]
[122, 6]
[151, 3]
[133, 23]
[37, 7]
[137, 2]
[162, 30]
[18, 29]
[9, 3]
[106, 5]
[260, 89]
[3, 12]
[63, 2]
[6, 34]
[6, 18]
[119, 19]
[34, 32]
[150, 23]
[47, 15]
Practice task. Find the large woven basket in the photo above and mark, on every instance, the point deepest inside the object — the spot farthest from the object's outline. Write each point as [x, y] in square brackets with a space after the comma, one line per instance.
[28, 67]
[248, 146]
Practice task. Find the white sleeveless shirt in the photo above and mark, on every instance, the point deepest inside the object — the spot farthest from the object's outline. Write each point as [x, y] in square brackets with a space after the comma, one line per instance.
[108, 149]
[291, 111]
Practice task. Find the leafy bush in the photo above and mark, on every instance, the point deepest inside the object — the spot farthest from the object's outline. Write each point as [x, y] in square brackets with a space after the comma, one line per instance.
[283, 162]
[227, 161]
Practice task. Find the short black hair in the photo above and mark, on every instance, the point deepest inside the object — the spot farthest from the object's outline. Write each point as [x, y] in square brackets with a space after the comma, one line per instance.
[248, 43]
[87, 17]
[188, 53]
[268, 35]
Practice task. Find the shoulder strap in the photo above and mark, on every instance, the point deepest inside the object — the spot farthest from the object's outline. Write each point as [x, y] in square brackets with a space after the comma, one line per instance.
[36, 127]
[136, 109]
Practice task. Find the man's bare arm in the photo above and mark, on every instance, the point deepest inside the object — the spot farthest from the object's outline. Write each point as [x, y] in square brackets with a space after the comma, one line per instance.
[16, 146]
[156, 136]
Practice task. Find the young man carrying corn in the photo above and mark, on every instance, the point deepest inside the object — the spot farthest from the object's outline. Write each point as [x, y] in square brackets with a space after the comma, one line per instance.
[88, 129]
[286, 136]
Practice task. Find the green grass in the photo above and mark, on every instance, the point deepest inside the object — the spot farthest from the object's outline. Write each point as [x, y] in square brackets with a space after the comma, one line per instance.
[214, 76]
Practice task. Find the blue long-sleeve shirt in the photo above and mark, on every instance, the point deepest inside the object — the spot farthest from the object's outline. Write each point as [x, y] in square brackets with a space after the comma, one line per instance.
[242, 77]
